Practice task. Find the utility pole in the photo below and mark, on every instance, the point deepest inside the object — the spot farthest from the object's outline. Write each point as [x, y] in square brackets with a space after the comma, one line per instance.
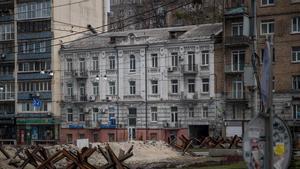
[16, 59]
[269, 114]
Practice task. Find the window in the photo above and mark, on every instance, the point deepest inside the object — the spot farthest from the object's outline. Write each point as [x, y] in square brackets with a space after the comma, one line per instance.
[81, 136]
[33, 10]
[174, 84]
[154, 86]
[238, 60]
[112, 62]
[267, 2]
[191, 85]
[237, 29]
[262, 55]
[112, 88]
[95, 63]
[132, 87]
[267, 27]
[81, 117]
[69, 65]
[174, 59]
[174, 114]
[205, 58]
[153, 113]
[296, 25]
[70, 115]
[296, 54]
[6, 32]
[273, 83]
[205, 112]
[132, 117]
[43, 47]
[154, 59]
[132, 63]
[191, 112]
[70, 89]
[296, 111]
[205, 85]
[96, 88]
[296, 82]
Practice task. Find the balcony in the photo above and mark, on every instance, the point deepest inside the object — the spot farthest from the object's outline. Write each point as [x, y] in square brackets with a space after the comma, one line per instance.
[235, 8]
[189, 69]
[7, 18]
[7, 96]
[235, 96]
[8, 76]
[234, 41]
[70, 98]
[234, 68]
[132, 97]
[33, 56]
[171, 125]
[82, 74]
[111, 71]
[153, 70]
[34, 35]
[44, 95]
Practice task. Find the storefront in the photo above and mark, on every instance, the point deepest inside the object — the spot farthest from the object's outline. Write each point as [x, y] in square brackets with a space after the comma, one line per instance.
[37, 130]
[7, 128]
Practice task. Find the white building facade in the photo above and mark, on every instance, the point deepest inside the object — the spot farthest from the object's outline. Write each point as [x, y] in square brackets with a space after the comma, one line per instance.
[143, 84]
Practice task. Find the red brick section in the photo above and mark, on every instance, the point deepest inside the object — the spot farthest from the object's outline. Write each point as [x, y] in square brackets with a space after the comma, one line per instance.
[104, 134]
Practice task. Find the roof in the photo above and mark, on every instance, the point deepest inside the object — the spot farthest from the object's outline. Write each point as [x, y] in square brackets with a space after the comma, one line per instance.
[150, 36]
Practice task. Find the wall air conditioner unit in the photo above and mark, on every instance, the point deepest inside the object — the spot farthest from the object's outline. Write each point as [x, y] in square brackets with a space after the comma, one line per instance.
[165, 124]
[181, 58]
[86, 110]
[92, 98]
[287, 105]
[170, 69]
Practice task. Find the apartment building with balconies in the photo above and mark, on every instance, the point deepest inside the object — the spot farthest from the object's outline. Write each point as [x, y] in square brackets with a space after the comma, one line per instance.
[140, 85]
[276, 19]
[281, 20]
[31, 32]
[236, 95]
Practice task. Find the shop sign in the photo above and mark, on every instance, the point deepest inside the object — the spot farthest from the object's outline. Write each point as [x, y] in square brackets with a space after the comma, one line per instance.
[33, 115]
[107, 126]
[75, 126]
[36, 121]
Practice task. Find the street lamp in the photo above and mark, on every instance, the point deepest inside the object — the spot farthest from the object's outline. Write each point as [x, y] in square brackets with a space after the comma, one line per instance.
[97, 78]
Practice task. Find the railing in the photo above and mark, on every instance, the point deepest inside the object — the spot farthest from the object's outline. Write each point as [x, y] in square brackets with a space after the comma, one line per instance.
[235, 95]
[80, 74]
[132, 97]
[111, 71]
[237, 40]
[235, 7]
[75, 98]
[235, 68]
[189, 68]
[7, 95]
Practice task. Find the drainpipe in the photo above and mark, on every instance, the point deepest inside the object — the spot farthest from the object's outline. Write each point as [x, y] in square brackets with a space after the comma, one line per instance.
[118, 112]
[146, 92]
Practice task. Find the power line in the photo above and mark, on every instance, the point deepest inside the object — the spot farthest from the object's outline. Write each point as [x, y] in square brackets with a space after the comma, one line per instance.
[57, 6]
[81, 32]
[89, 36]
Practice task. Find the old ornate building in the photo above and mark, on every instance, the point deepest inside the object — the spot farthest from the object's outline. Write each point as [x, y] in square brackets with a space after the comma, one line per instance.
[143, 84]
